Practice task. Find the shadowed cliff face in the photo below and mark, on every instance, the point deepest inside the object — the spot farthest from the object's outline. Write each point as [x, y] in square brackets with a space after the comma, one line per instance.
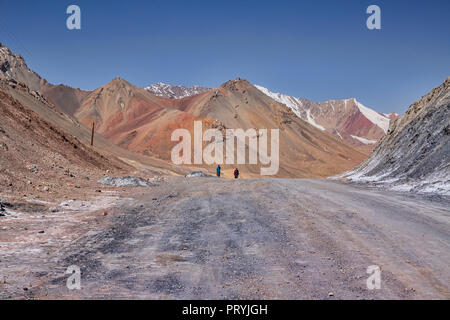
[415, 154]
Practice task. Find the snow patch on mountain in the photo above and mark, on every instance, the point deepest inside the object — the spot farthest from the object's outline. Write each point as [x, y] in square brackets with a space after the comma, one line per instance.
[303, 112]
[174, 92]
[312, 122]
[374, 117]
[363, 140]
[293, 103]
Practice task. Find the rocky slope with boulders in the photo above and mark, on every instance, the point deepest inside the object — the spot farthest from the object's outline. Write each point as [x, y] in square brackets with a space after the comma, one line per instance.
[415, 154]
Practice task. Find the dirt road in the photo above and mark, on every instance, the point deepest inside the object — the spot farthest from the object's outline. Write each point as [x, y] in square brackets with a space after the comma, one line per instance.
[208, 238]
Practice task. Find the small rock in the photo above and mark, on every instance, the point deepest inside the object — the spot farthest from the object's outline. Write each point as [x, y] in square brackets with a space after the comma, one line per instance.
[301, 262]
[196, 174]
[41, 232]
[53, 209]
[105, 213]
[46, 189]
[126, 182]
[330, 294]
[4, 203]
[29, 182]
[98, 191]
[34, 170]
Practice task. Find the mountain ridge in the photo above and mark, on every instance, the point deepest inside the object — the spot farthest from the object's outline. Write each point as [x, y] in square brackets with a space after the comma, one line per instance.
[347, 119]
[414, 155]
[171, 91]
[139, 121]
[143, 123]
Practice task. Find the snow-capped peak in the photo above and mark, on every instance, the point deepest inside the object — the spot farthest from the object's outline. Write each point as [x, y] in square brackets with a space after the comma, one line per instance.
[174, 92]
[374, 117]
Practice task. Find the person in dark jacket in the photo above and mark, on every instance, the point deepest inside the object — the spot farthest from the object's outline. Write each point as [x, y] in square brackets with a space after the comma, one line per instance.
[236, 173]
[218, 171]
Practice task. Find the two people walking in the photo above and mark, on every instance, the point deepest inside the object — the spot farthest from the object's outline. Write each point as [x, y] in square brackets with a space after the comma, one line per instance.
[219, 169]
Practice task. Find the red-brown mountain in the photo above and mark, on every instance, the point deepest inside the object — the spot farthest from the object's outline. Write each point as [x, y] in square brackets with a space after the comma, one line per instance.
[139, 121]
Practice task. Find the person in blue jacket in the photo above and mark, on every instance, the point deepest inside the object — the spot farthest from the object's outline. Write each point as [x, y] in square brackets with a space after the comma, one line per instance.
[218, 171]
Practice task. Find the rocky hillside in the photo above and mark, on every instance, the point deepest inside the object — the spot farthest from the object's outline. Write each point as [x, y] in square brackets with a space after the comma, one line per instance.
[36, 156]
[174, 92]
[13, 66]
[415, 154]
[349, 120]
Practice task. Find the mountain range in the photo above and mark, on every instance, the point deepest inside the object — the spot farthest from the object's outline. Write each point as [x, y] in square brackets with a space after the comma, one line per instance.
[141, 122]
[134, 124]
[136, 120]
[348, 119]
[174, 92]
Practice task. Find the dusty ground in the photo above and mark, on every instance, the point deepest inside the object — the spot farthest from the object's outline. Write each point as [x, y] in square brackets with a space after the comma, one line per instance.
[206, 238]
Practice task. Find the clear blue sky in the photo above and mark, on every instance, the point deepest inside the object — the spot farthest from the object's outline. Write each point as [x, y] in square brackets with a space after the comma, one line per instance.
[314, 49]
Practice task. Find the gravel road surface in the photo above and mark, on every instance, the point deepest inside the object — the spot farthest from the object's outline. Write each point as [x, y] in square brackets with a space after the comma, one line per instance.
[209, 238]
